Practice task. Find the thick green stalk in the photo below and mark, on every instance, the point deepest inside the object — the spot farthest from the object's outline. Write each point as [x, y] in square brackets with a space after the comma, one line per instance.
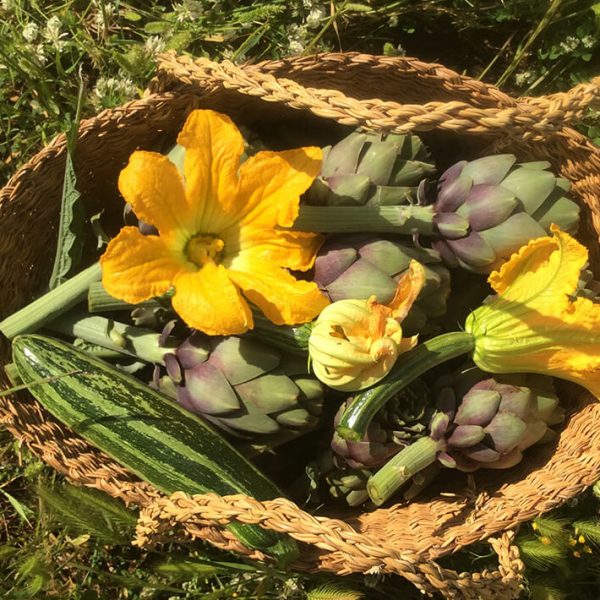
[12, 373]
[401, 467]
[133, 341]
[360, 412]
[381, 219]
[291, 339]
[99, 300]
[51, 305]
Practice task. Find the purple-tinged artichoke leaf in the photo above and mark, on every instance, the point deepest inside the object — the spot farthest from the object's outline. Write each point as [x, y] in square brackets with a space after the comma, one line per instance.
[505, 431]
[390, 257]
[516, 400]
[173, 368]
[378, 161]
[332, 263]
[269, 393]
[193, 351]
[453, 172]
[166, 385]
[298, 418]
[251, 423]
[208, 391]
[451, 226]
[488, 206]
[506, 461]
[241, 359]
[361, 281]
[439, 425]
[481, 453]
[506, 238]
[464, 464]
[348, 190]
[445, 252]
[530, 186]
[478, 407]
[343, 156]
[473, 250]
[446, 460]
[465, 436]
[534, 433]
[489, 169]
[452, 194]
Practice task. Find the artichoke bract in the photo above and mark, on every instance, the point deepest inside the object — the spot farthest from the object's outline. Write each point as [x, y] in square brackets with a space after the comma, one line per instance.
[402, 421]
[489, 425]
[366, 169]
[242, 386]
[359, 266]
[502, 205]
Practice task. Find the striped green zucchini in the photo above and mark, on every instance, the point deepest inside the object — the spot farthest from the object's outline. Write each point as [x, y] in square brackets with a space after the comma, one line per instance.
[144, 430]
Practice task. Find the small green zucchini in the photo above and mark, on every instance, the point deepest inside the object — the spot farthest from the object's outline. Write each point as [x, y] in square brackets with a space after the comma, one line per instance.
[144, 430]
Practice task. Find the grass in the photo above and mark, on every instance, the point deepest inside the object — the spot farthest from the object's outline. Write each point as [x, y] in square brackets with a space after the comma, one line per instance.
[62, 542]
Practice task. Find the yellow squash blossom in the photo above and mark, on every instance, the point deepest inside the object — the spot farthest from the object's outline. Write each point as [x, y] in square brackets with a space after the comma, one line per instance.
[220, 231]
[536, 324]
[354, 343]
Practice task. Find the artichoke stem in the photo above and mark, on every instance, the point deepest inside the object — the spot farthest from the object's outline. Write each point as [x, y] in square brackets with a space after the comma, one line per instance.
[380, 219]
[99, 300]
[110, 334]
[52, 304]
[360, 412]
[404, 465]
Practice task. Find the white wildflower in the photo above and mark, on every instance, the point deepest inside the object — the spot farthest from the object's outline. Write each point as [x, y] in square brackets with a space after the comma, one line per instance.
[154, 45]
[524, 78]
[53, 34]
[104, 14]
[40, 54]
[8, 5]
[111, 90]
[296, 47]
[588, 41]
[188, 10]
[314, 18]
[569, 44]
[393, 21]
[30, 32]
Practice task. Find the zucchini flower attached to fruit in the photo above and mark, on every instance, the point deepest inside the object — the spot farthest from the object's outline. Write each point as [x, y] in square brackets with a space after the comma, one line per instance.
[355, 343]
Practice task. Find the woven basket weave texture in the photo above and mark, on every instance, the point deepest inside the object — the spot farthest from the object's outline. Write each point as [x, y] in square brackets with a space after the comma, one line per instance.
[317, 94]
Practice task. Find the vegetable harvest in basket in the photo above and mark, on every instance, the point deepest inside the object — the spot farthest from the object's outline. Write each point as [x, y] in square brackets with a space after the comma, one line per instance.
[261, 296]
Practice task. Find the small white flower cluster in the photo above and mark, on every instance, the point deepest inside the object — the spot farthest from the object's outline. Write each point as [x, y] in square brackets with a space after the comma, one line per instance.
[53, 33]
[570, 43]
[112, 90]
[8, 5]
[315, 16]
[154, 45]
[588, 41]
[188, 10]
[524, 78]
[31, 31]
[297, 35]
[105, 12]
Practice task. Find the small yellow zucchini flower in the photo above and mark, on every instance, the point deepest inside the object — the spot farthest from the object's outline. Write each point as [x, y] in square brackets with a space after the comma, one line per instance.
[354, 343]
[221, 240]
[536, 323]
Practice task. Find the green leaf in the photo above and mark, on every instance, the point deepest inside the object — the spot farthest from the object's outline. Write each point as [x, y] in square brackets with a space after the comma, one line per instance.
[131, 15]
[69, 245]
[23, 511]
[157, 27]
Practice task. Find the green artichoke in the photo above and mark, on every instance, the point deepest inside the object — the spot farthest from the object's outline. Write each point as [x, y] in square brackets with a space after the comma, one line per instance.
[486, 424]
[242, 386]
[400, 422]
[501, 205]
[366, 169]
[359, 266]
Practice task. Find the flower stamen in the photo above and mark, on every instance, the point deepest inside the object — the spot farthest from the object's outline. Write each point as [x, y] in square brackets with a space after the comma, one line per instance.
[202, 249]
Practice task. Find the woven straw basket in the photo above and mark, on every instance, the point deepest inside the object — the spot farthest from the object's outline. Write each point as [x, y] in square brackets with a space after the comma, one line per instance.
[375, 93]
